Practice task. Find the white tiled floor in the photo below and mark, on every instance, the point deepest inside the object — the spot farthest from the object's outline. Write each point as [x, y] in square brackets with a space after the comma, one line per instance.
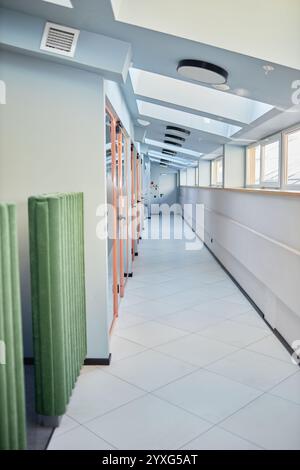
[193, 366]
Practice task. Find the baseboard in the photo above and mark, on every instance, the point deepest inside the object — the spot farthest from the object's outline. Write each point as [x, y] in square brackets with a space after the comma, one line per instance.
[89, 361]
[29, 361]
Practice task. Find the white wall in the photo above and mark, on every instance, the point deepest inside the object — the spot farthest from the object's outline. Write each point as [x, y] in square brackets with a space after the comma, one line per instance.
[256, 237]
[52, 139]
[234, 166]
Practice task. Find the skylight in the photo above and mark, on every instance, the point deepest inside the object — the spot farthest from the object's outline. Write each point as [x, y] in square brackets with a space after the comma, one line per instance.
[61, 3]
[193, 121]
[197, 97]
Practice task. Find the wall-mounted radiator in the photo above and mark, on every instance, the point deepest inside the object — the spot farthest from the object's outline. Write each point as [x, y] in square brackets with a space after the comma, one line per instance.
[58, 297]
[12, 402]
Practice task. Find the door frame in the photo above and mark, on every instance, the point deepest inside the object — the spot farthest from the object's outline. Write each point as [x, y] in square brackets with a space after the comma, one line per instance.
[115, 288]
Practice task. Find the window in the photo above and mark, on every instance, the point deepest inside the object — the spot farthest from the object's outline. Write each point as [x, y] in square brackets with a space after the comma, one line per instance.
[191, 176]
[292, 158]
[217, 172]
[253, 165]
[263, 163]
[182, 177]
[270, 153]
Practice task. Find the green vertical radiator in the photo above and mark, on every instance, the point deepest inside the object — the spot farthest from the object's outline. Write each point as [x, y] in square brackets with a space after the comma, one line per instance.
[58, 297]
[12, 401]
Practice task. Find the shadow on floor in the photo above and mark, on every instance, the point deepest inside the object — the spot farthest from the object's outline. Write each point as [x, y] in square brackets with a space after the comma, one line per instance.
[37, 436]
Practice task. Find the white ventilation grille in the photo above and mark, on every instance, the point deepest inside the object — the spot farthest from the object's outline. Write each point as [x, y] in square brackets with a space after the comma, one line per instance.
[59, 39]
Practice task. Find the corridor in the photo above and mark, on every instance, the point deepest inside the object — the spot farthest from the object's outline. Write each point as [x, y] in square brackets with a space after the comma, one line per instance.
[193, 366]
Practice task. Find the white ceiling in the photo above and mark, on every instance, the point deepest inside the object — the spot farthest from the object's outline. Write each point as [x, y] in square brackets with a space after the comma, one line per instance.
[238, 35]
[266, 29]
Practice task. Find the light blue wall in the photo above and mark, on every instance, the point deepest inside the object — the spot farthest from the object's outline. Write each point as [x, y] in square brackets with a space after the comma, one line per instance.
[94, 52]
[52, 139]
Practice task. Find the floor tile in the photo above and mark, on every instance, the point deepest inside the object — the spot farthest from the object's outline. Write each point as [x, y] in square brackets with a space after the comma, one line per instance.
[269, 421]
[150, 370]
[130, 300]
[191, 320]
[121, 348]
[78, 439]
[238, 298]
[194, 381]
[148, 423]
[289, 389]
[151, 334]
[252, 319]
[253, 369]
[219, 439]
[196, 350]
[125, 320]
[87, 369]
[186, 299]
[223, 307]
[98, 392]
[66, 425]
[234, 333]
[208, 395]
[272, 347]
[150, 309]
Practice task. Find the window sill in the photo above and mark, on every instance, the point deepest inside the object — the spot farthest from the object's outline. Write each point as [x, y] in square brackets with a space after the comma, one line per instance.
[267, 191]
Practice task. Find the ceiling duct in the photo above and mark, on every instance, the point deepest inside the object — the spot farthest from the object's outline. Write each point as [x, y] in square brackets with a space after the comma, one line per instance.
[59, 39]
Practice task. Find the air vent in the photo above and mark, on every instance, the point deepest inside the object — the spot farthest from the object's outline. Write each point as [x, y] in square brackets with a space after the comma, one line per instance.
[176, 144]
[178, 129]
[177, 137]
[60, 39]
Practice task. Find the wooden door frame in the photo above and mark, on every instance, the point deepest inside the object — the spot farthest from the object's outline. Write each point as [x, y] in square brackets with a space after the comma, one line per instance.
[115, 286]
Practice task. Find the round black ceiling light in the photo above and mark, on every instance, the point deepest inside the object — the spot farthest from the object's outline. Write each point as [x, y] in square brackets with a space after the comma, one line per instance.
[201, 71]
[176, 137]
[177, 144]
[177, 129]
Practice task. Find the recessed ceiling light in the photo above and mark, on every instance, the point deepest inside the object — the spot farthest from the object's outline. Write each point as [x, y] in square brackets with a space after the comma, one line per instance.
[143, 123]
[207, 120]
[61, 3]
[178, 129]
[176, 137]
[222, 87]
[268, 68]
[202, 71]
[172, 143]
